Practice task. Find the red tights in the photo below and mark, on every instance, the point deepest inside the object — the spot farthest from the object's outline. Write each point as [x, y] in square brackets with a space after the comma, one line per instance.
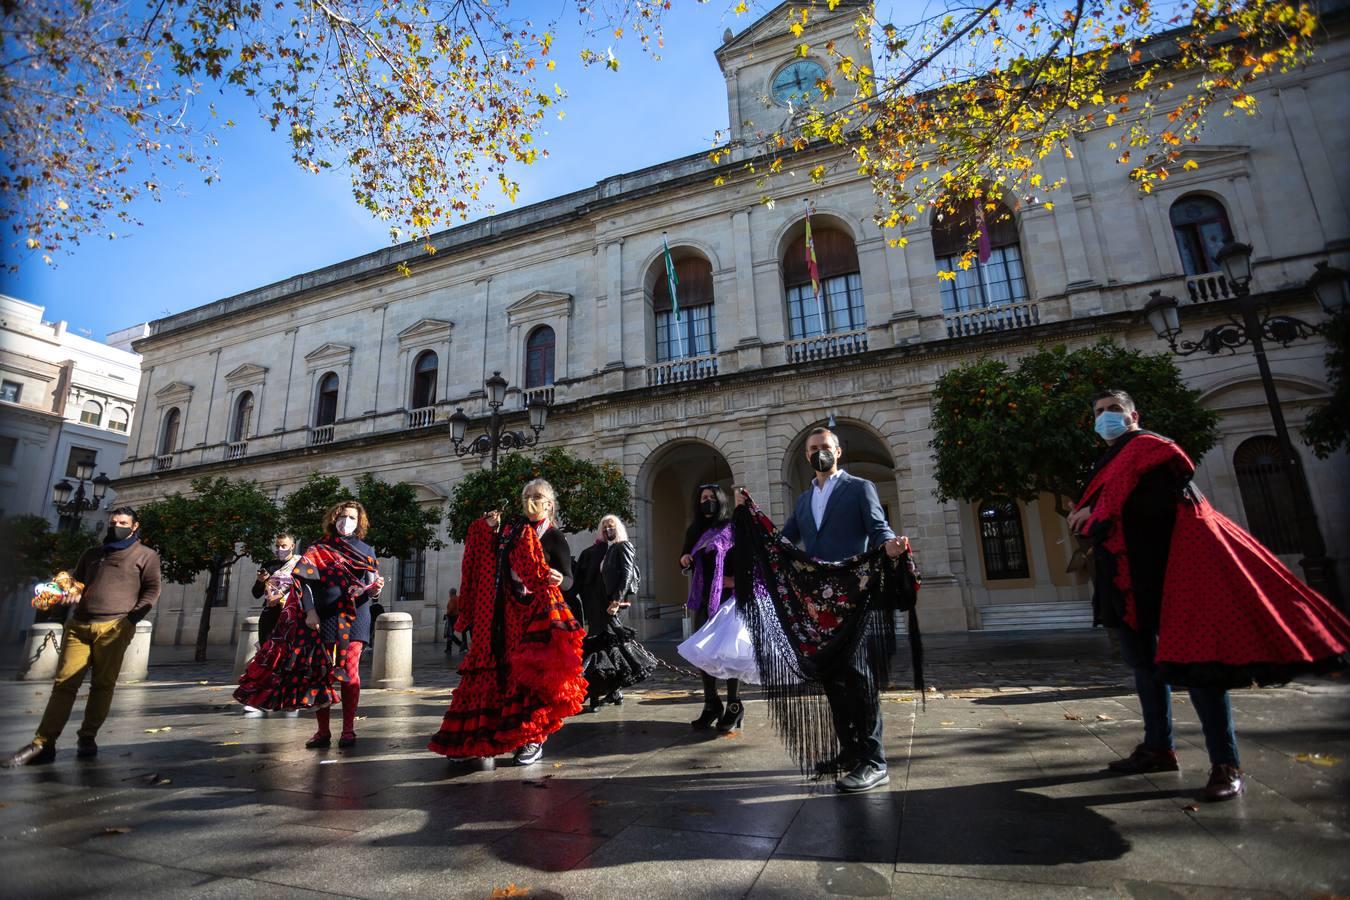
[351, 694]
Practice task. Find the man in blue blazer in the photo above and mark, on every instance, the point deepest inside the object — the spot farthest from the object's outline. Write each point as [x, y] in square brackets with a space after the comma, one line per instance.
[841, 516]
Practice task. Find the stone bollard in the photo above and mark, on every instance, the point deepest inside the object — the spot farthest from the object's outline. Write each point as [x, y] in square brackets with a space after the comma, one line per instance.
[393, 651]
[42, 652]
[247, 646]
[136, 661]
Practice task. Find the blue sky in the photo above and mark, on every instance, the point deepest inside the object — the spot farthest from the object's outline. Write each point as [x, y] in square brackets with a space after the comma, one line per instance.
[266, 219]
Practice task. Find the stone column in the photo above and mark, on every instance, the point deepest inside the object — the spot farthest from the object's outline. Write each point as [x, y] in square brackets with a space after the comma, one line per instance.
[136, 662]
[247, 644]
[393, 651]
[748, 352]
[614, 303]
[42, 652]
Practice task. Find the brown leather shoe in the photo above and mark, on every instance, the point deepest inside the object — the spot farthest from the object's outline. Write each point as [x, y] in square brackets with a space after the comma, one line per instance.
[1146, 759]
[1225, 783]
[32, 755]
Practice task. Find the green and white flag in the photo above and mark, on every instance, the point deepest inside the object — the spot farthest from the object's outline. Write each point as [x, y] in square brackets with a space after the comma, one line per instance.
[673, 282]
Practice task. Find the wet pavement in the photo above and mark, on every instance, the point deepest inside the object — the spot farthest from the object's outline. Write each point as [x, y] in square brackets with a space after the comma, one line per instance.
[997, 790]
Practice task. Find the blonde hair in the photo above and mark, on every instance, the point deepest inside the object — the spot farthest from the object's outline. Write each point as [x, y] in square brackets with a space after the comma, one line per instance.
[620, 530]
[543, 487]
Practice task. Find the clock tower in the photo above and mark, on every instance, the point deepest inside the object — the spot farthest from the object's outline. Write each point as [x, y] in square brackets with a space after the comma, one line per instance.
[769, 76]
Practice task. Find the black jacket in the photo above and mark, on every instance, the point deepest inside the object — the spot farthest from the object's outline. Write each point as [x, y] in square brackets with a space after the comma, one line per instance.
[604, 573]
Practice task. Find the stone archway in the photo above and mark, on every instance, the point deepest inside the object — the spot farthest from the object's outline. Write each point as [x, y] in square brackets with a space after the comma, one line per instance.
[865, 455]
[665, 491]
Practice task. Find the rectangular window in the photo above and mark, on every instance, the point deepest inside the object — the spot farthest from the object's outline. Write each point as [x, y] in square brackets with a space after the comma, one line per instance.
[10, 391]
[696, 334]
[994, 283]
[841, 303]
[9, 448]
[79, 455]
[412, 576]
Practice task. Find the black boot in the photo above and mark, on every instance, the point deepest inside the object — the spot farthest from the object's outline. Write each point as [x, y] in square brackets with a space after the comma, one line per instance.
[730, 721]
[712, 705]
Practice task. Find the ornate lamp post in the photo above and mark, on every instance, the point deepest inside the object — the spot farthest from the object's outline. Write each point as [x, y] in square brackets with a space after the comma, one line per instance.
[496, 438]
[71, 502]
[1255, 324]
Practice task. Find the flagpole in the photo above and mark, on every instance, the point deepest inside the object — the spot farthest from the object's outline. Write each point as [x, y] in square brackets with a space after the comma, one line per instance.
[672, 282]
[816, 287]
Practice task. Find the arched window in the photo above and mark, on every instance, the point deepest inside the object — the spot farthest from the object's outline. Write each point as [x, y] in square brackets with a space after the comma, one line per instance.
[839, 307]
[424, 379]
[998, 280]
[168, 435]
[325, 410]
[539, 348]
[1265, 494]
[696, 332]
[91, 413]
[1200, 224]
[243, 418]
[1002, 541]
[118, 419]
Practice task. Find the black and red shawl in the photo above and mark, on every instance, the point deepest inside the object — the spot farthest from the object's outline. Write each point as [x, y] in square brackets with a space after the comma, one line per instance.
[1231, 613]
[808, 617]
[333, 562]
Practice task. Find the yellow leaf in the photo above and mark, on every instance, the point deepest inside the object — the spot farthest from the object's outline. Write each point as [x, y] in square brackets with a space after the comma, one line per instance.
[1049, 205]
[1190, 164]
[802, 50]
[741, 8]
[1319, 759]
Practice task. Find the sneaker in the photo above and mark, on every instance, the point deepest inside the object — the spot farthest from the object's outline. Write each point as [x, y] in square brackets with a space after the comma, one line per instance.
[1146, 759]
[86, 748]
[864, 777]
[529, 754]
[252, 712]
[1225, 783]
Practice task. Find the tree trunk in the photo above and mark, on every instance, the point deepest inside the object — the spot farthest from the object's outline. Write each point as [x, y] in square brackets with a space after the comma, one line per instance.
[204, 624]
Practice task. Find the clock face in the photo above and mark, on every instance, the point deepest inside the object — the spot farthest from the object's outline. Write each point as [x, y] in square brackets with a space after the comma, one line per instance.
[796, 82]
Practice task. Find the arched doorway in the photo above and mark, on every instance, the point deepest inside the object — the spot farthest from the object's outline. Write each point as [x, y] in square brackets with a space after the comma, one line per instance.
[665, 494]
[865, 455]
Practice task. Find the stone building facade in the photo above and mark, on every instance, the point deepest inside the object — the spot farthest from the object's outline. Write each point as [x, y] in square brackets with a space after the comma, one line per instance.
[356, 368]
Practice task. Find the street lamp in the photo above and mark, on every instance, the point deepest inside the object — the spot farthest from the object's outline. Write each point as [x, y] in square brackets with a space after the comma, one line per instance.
[71, 502]
[1329, 286]
[496, 438]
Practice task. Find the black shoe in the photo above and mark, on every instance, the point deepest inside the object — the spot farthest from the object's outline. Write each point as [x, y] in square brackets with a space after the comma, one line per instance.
[711, 713]
[864, 777]
[32, 755]
[594, 705]
[731, 720]
[346, 741]
[319, 742]
[1145, 759]
[616, 698]
[529, 754]
[86, 748]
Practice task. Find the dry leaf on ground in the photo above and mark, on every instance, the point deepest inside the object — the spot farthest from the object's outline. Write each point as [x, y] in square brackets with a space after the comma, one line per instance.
[1072, 717]
[1319, 759]
[511, 890]
[115, 829]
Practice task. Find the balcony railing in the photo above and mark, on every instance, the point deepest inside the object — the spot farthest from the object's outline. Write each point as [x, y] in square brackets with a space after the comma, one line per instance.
[424, 417]
[826, 346]
[163, 461]
[678, 370]
[236, 450]
[530, 396]
[1210, 286]
[993, 318]
[321, 434]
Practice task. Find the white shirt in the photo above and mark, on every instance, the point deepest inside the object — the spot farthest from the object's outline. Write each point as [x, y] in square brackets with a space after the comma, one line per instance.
[820, 496]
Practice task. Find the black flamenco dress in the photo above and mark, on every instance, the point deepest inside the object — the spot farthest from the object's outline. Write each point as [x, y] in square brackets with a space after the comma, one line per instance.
[613, 658]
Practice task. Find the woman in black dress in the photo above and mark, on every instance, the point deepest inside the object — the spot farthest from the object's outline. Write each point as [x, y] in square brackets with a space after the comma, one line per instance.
[708, 552]
[607, 576]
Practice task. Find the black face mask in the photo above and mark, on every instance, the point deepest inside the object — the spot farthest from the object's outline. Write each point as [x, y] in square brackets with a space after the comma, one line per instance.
[709, 508]
[118, 533]
[822, 460]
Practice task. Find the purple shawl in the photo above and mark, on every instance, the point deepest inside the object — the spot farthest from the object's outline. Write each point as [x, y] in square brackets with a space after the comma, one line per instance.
[718, 539]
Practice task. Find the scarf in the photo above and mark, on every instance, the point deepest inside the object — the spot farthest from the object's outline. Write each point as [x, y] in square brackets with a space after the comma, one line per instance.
[124, 543]
[808, 618]
[718, 540]
[329, 561]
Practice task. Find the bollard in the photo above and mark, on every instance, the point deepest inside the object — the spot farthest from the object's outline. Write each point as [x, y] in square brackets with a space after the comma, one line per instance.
[247, 646]
[136, 661]
[393, 651]
[42, 652]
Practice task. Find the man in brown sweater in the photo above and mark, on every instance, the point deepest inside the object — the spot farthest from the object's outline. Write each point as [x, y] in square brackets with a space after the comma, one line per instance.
[121, 585]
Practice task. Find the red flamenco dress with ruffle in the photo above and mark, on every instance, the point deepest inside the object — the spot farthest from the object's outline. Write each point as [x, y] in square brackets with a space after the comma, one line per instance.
[522, 675]
[1231, 614]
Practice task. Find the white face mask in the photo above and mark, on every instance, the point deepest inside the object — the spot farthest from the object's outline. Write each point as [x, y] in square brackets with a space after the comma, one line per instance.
[282, 552]
[346, 526]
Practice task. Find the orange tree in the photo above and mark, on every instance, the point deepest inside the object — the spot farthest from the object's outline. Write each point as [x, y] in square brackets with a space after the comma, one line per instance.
[1020, 432]
[1328, 427]
[209, 530]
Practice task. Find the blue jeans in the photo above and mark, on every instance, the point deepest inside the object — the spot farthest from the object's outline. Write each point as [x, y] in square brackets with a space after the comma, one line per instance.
[1155, 699]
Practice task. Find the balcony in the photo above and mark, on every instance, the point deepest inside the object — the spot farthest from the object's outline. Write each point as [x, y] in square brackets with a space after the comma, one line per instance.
[826, 346]
[163, 462]
[236, 450]
[424, 417]
[532, 396]
[1004, 317]
[680, 370]
[1207, 287]
[320, 434]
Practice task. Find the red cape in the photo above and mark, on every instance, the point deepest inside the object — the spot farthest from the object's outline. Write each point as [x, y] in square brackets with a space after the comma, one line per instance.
[1232, 613]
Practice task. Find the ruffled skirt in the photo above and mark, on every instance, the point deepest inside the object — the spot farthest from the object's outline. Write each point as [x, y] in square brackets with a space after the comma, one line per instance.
[614, 659]
[291, 670]
[722, 647]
